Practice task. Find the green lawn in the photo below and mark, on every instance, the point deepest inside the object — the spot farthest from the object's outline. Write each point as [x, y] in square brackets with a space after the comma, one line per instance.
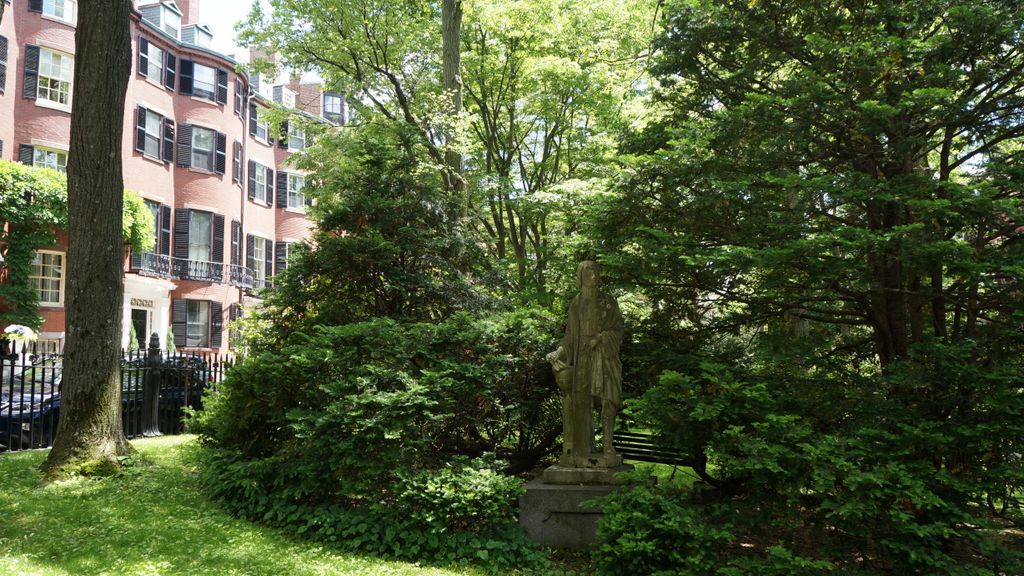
[151, 520]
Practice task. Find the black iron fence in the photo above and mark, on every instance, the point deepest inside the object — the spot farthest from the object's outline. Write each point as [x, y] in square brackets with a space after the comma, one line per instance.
[156, 389]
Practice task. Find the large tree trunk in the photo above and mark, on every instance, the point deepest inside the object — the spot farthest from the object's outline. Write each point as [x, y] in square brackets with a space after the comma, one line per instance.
[90, 434]
[451, 32]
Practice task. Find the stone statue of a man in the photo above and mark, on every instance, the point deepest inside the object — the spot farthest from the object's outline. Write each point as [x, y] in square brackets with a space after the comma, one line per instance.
[589, 372]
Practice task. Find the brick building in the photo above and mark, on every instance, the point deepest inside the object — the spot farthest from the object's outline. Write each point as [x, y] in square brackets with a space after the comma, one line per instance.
[226, 206]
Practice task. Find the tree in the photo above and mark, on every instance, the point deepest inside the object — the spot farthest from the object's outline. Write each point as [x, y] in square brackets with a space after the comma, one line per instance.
[825, 226]
[91, 434]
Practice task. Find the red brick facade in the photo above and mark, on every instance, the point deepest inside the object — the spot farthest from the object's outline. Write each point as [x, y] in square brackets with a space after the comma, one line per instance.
[189, 149]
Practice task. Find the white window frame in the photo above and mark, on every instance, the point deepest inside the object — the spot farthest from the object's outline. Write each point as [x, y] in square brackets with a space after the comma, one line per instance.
[296, 199]
[50, 158]
[171, 22]
[197, 316]
[200, 252]
[260, 184]
[154, 135]
[37, 277]
[55, 87]
[335, 97]
[64, 10]
[155, 63]
[204, 152]
[262, 127]
[296, 138]
[259, 256]
[206, 87]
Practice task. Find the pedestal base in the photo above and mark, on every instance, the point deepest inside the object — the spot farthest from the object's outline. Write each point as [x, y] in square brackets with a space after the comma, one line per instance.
[590, 476]
[594, 460]
[552, 516]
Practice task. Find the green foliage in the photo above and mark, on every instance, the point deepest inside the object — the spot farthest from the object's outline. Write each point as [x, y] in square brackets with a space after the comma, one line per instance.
[824, 227]
[137, 223]
[348, 434]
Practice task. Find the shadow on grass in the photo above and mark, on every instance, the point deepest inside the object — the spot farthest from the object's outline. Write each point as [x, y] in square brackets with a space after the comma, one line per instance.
[150, 520]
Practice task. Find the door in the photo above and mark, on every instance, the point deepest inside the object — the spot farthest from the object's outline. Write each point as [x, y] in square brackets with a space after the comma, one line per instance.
[140, 321]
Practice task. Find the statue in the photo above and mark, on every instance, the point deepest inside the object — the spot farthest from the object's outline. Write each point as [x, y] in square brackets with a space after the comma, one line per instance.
[588, 370]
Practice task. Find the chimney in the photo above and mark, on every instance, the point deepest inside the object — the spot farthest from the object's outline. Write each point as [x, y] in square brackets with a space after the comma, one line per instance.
[190, 11]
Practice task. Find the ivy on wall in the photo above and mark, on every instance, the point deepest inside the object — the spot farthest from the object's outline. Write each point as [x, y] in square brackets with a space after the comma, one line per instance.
[33, 206]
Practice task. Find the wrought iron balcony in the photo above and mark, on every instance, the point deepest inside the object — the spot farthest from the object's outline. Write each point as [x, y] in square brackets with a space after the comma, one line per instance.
[185, 269]
[150, 264]
[240, 276]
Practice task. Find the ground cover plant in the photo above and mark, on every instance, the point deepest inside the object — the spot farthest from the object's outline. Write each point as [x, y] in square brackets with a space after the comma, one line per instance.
[152, 519]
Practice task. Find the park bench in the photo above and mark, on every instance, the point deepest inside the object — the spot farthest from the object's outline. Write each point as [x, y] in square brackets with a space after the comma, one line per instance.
[644, 447]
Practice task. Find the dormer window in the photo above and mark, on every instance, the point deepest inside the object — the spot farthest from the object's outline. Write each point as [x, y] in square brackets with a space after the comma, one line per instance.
[284, 96]
[171, 20]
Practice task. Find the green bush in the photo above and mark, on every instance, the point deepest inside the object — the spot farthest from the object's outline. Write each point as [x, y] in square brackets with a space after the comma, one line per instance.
[371, 423]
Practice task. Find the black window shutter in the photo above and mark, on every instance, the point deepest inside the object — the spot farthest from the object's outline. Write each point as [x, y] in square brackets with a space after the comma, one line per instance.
[27, 154]
[283, 141]
[186, 70]
[216, 324]
[165, 230]
[1, 148]
[269, 195]
[31, 72]
[181, 218]
[218, 239]
[252, 119]
[169, 66]
[236, 242]
[268, 255]
[282, 189]
[185, 145]
[252, 180]
[250, 245]
[238, 97]
[220, 162]
[3, 62]
[35, 5]
[143, 56]
[140, 129]
[236, 162]
[222, 86]
[168, 141]
[179, 319]
[280, 256]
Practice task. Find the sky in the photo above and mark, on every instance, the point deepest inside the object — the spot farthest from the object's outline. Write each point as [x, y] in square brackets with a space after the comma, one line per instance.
[221, 16]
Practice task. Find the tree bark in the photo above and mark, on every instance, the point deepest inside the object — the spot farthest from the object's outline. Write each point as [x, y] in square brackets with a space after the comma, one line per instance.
[90, 436]
[451, 32]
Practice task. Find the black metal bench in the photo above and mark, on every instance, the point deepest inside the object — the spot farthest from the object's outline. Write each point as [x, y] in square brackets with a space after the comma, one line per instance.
[644, 448]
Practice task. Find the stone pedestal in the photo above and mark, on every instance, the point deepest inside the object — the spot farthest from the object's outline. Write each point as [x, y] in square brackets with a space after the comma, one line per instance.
[552, 516]
[551, 512]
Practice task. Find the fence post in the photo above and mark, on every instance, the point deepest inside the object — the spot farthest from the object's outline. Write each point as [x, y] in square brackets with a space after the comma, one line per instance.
[151, 388]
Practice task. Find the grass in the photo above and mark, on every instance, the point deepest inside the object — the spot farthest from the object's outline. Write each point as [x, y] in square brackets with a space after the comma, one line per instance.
[151, 520]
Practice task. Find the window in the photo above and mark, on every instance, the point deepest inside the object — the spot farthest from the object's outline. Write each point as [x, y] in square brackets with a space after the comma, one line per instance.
[172, 21]
[296, 138]
[154, 64]
[153, 126]
[204, 82]
[199, 227]
[48, 158]
[66, 10]
[261, 125]
[56, 72]
[202, 148]
[259, 183]
[3, 63]
[259, 256]
[295, 197]
[197, 323]
[47, 278]
[333, 107]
